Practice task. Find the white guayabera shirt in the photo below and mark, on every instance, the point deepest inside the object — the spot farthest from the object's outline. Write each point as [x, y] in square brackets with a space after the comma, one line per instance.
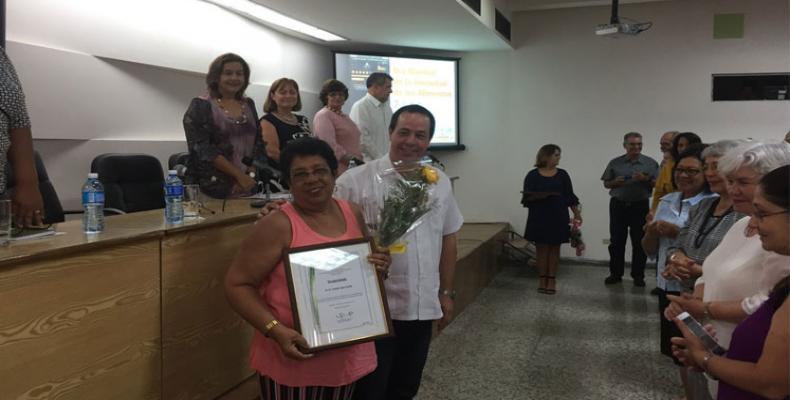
[373, 120]
[413, 283]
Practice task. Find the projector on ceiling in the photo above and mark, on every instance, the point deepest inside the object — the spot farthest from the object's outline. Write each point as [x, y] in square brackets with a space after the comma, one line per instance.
[622, 29]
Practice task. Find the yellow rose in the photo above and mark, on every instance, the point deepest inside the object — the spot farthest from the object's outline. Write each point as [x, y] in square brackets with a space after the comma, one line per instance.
[430, 175]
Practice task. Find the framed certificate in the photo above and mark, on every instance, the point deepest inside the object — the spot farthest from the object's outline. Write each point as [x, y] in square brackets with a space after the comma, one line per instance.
[337, 296]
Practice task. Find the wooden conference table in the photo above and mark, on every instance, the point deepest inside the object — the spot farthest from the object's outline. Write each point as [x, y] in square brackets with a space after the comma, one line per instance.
[138, 311]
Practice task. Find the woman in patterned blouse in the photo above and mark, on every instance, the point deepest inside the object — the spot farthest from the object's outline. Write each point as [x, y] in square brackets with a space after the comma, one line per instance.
[16, 148]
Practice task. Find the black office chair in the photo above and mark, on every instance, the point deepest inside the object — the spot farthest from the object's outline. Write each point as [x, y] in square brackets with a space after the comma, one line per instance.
[53, 211]
[177, 158]
[132, 182]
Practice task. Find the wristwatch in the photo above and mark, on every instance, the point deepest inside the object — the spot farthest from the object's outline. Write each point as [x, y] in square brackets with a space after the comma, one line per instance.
[447, 292]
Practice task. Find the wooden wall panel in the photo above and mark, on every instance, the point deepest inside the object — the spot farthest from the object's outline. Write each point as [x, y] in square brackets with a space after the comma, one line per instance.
[205, 343]
[86, 326]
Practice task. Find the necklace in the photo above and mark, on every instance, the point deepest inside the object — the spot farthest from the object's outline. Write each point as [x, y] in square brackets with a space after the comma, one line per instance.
[238, 121]
[703, 233]
[336, 111]
[287, 118]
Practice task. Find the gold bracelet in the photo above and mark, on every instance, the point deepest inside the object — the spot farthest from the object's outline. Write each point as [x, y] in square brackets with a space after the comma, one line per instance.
[268, 328]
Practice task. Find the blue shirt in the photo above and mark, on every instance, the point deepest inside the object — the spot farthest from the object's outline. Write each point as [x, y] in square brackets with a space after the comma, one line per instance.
[631, 190]
[674, 210]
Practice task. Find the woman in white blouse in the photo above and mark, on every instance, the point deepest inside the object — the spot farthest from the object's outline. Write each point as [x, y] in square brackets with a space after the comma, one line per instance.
[739, 273]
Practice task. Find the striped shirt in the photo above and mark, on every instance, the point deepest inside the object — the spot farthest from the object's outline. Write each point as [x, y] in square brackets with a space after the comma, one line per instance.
[703, 232]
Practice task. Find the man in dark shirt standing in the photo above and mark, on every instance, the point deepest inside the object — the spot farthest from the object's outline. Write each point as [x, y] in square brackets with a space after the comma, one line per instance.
[630, 178]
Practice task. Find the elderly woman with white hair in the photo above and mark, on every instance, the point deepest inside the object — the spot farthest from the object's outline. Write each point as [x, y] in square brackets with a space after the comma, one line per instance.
[739, 273]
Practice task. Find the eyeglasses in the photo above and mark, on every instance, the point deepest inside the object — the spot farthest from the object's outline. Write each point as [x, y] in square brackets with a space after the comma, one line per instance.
[760, 216]
[301, 176]
[691, 172]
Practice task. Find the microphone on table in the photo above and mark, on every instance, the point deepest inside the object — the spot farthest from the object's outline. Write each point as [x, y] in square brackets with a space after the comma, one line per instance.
[265, 175]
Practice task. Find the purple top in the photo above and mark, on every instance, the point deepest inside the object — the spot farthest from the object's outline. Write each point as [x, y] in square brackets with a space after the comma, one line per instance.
[240, 133]
[747, 344]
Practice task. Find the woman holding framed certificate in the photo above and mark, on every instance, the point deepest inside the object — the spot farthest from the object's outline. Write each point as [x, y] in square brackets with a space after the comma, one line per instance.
[308, 282]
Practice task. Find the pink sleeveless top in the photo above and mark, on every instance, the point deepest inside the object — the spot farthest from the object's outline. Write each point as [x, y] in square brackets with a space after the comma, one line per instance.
[333, 367]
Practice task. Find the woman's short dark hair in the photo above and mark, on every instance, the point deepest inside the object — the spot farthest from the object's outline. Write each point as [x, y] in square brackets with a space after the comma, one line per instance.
[215, 71]
[269, 105]
[692, 151]
[330, 86]
[546, 151]
[775, 186]
[308, 146]
[413, 109]
[690, 137]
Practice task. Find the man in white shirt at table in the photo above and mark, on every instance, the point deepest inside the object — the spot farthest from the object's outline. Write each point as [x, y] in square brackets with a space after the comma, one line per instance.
[372, 114]
[420, 283]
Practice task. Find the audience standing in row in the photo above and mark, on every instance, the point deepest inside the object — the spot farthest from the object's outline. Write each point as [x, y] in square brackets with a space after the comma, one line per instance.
[738, 274]
[630, 179]
[664, 180]
[548, 193]
[661, 234]
[221, 129]
[756, 363]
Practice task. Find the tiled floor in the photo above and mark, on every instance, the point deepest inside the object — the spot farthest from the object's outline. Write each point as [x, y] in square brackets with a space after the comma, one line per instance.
[589, 341]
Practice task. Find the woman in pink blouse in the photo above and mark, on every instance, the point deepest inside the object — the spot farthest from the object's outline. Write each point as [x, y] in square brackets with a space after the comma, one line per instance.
[333, 126]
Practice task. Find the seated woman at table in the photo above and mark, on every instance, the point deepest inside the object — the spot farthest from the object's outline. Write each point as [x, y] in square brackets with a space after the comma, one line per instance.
[335, 127]
[256, 286]
[280, 125]
[757, 363]
[221, 128]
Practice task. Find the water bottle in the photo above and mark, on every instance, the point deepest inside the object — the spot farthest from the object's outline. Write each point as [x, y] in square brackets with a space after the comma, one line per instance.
[93, 205]
[174, 197]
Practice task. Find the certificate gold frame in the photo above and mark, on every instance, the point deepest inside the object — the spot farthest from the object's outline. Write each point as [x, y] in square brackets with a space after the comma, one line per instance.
[337, 296]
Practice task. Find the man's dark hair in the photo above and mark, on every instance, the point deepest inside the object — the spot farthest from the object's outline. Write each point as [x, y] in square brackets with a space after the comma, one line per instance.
[775, 186]
[630, 135]
[692, 151]
[378, 78]
[215, 71]
[690, 137]
[308, 146]
[414, 109]
[332, 85]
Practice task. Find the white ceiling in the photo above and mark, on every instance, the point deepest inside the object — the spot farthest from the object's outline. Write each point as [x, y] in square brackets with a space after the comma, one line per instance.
[429, 24]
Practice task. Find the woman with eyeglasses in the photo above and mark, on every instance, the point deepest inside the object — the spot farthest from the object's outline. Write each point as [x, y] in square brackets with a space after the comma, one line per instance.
[257, 289]
[661, 234]
[738, 274]
[280, 125]
[757, 363]
[335, 127]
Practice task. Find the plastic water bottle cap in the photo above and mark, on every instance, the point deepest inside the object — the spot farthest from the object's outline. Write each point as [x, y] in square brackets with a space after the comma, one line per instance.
[93, 175]
[172, 172]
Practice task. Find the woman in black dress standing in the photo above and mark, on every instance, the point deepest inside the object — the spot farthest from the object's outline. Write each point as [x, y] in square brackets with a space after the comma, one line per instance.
[548, 193]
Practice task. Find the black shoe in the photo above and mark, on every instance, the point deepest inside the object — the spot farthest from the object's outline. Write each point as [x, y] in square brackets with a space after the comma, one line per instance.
[610, 280]
[655, 292]
[639, 282]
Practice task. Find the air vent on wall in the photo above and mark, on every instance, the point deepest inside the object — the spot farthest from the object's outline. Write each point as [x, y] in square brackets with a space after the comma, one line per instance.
[473, 4]
[502, 25]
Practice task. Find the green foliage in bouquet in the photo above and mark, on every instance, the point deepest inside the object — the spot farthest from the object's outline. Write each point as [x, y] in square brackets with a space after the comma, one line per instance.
[405, 203]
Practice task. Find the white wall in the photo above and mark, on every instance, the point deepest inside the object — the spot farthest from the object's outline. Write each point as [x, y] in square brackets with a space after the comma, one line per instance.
[116, 76]
[566, 86]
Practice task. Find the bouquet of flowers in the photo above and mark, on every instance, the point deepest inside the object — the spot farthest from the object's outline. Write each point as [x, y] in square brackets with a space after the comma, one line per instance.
[576, 238]
[408, 195]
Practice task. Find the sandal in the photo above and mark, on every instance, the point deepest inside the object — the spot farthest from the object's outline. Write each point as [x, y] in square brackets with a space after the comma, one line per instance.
[541, 289]
[547, 290]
